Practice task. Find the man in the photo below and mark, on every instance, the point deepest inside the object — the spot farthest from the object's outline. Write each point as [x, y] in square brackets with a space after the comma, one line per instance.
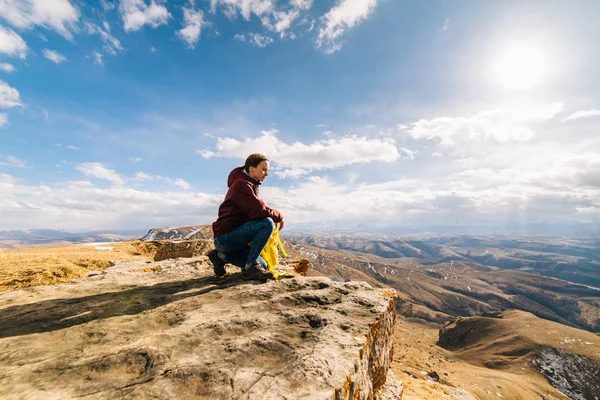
[244, 218]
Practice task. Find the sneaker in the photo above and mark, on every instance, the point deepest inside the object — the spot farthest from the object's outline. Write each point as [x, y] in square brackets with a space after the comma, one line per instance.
[218, 264]
[256, 271]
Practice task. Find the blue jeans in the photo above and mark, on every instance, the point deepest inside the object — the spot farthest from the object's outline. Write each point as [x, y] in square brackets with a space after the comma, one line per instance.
[234, 245]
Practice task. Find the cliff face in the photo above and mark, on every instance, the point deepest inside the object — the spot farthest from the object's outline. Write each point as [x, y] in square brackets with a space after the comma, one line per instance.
[171, 330]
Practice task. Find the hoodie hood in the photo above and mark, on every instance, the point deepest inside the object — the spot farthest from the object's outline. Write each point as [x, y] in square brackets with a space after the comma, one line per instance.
[238, 173]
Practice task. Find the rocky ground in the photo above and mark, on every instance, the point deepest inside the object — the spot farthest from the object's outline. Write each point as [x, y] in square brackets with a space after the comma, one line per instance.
[170, 329]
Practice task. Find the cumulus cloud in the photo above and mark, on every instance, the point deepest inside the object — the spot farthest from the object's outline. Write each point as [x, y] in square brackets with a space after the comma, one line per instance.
[583, 114]
[193, 20]
[500, 125]
[298, 158]
[107, 5]
[345, 15]
[110, 44]
[255, 38]
[275, 18]
[99, 171]
[137, 13]
[59, 15]
[54, 56]
[6, 67]
[9, 96]
[11, 161]
[11, 43]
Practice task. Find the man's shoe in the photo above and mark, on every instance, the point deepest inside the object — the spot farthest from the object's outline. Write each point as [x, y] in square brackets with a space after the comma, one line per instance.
[256, 271]
[218, 264]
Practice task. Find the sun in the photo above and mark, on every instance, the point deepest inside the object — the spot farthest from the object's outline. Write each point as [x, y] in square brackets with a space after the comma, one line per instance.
[520, 67]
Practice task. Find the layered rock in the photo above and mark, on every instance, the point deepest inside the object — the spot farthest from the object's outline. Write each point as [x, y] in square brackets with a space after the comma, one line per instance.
[179, 233]
[179, 332]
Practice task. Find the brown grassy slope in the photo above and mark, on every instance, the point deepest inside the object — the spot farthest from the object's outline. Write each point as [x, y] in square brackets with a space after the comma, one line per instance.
[416, 354]
[49, 265]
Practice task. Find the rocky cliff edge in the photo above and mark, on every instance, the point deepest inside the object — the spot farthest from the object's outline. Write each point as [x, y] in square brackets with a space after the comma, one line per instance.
[171, 329]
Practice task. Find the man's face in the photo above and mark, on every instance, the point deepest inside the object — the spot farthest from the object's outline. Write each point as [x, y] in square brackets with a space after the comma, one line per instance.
[260, 172]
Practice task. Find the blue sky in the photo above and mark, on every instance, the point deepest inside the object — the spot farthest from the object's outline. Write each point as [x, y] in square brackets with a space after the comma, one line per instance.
[415, 115]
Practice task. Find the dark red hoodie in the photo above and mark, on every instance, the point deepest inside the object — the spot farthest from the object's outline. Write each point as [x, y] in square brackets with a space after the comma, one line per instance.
[241, 204]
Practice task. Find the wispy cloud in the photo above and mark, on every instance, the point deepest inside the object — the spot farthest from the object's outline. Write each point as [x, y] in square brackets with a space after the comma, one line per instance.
[98, 58]
[99, 171]
[71, 147]
[446, 22]
[255, 38]
[9, 96]
[137, 13]
[583, 114]
[11, 161]
[11, 43]
[193, 20]
[345, 15]
[110, 44]
[59, 15]
[141, 176]
[54, 56]
[6, 67]
[298, 158]
[278, 19]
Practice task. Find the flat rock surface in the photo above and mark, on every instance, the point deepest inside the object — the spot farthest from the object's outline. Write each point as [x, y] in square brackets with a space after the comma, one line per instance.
[173, 330]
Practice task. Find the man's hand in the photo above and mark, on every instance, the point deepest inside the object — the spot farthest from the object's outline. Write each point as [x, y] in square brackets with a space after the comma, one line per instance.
[280, 227]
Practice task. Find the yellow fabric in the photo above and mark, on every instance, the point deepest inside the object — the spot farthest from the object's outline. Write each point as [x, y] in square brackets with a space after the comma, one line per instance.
[270, 253]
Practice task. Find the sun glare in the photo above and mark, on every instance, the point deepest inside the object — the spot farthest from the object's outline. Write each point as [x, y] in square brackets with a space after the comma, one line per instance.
[520, 68]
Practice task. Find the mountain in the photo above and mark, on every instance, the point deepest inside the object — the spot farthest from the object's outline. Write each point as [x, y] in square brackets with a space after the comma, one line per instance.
[441, 277]
[33, 237]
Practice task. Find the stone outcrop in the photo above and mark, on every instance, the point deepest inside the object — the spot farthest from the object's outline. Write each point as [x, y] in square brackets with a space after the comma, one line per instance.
[179, 233]
[159, 250]
[176, 331]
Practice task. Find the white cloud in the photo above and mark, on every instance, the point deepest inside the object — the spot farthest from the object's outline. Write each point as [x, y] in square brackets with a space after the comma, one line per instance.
[135, 159]
[3, 120]
[301, 4]
[107, 5]
[97, 58]
[11, 161]
[500, 125]
[255, 38]
[80, 205]
[110, 44]
[345, 15]
[153, 49]
[142, 177]
[7, 67]
[98, 170]
[275, 19]
[582, 114]
[9, 96]
[325, 154]
[11, 43]
[5, 178]
[193, 20]
[71, 147]
[137, 13]
[59, 15]
[54, 56]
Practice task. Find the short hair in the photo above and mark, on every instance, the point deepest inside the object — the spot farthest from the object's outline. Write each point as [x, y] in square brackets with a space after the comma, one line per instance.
[253, 160]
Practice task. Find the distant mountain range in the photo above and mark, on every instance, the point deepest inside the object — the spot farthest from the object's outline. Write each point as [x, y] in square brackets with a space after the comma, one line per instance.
[21, 238]
[444, 276]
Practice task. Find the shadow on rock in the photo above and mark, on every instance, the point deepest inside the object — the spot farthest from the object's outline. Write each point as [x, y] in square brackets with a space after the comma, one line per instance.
[51, 315]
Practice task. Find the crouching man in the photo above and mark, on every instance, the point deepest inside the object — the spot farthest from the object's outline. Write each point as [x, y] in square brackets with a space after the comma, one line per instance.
[244, 218]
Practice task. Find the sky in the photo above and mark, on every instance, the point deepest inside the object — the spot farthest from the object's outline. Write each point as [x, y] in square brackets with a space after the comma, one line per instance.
[438, 115]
